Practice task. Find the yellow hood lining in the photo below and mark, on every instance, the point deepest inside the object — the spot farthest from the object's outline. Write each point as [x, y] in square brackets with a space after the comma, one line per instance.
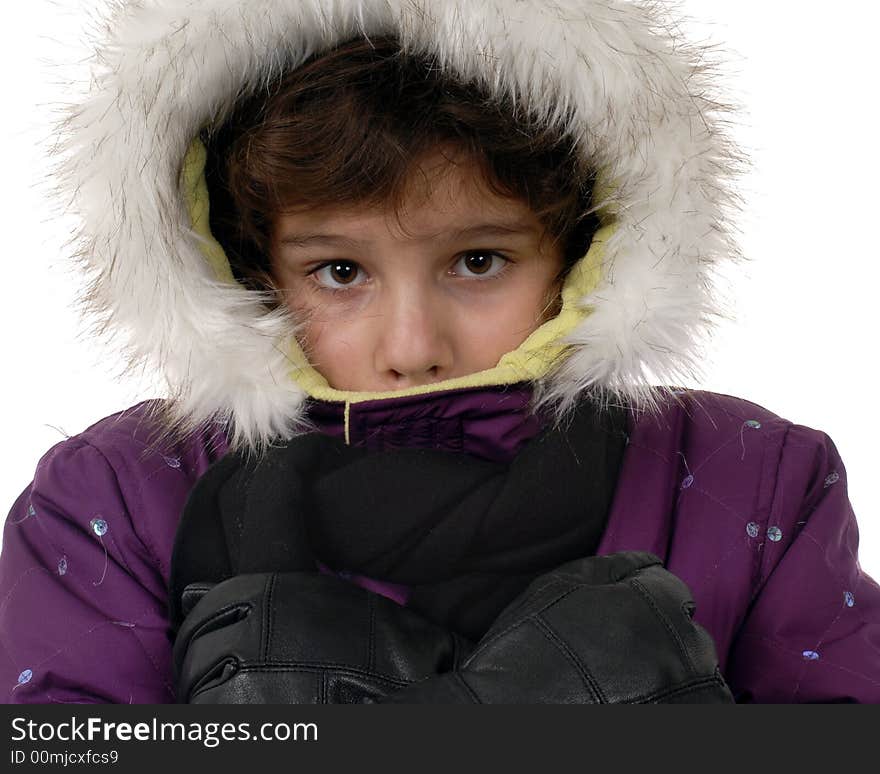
[529, 361]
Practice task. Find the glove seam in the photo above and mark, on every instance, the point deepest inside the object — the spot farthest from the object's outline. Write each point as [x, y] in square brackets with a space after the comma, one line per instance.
[459, 678]
[317, 667]
[664, 619]
[586, 675]
[535, 593]
[201, 685]
[198, 589]
[577, 577]
[703, 682]
[485, 643]
[321, 670]
[576, 582]
[227, 608]
[459, 652]
[269, 614]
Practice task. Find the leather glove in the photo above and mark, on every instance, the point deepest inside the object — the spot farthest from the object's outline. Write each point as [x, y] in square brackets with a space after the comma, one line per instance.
[603, 629]
[302, 638]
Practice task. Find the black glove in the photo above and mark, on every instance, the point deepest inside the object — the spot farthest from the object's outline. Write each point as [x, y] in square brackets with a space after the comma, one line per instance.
[302, 638]
[603, 629]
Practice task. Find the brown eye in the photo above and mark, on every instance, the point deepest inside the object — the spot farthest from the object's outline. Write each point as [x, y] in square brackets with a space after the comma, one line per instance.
[337, 275]
[485, 264]
[478, 263]
[343, 272]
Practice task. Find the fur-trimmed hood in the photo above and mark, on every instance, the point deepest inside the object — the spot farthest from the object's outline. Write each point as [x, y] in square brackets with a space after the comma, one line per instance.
[642, 103]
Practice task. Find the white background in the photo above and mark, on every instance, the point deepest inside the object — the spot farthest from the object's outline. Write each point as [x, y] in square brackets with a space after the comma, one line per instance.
[806, 304]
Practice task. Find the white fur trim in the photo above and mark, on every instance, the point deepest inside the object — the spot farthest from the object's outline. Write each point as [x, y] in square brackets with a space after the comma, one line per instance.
[617, 75]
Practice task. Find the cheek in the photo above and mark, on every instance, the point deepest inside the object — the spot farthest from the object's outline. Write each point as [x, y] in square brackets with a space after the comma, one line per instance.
[327, 337]
[329, 341]
[500, 323]
[526, 303]
[336, 350]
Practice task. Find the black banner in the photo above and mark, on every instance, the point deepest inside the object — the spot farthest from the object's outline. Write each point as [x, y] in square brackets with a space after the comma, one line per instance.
[375, 738]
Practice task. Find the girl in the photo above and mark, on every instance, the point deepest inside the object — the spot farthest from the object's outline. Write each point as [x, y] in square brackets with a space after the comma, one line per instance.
[445, 256]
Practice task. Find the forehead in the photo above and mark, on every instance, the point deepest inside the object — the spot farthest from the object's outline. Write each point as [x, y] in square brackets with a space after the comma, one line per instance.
[441, 192]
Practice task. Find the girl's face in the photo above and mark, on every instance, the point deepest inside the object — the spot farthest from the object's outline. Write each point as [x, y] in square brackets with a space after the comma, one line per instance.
[386, 310]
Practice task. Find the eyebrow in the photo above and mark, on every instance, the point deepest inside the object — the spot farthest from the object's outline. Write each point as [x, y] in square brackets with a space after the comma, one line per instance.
[477, 230]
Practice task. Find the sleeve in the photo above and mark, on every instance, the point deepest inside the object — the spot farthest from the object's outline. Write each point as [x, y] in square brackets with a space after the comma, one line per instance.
[82, 612]
[812, 631]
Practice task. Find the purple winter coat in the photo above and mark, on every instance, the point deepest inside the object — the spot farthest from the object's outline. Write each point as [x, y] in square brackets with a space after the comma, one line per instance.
[748, 508]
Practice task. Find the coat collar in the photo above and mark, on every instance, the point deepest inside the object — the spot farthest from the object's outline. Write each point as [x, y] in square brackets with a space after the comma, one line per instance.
[490, 422]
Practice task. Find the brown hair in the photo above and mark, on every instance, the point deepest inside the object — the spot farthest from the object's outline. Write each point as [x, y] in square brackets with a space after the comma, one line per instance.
[345, 128]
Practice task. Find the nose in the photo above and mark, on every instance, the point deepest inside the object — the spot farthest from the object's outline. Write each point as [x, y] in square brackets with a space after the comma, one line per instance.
[414, 345]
